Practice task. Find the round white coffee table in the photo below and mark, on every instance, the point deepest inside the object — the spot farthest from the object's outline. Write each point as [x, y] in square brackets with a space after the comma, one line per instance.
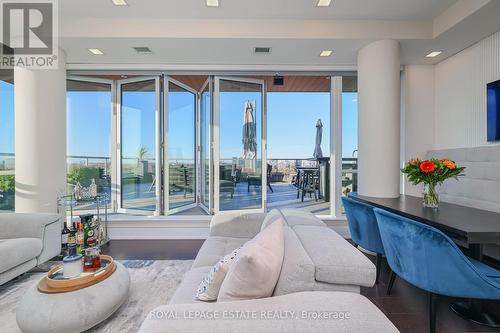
[74, 311]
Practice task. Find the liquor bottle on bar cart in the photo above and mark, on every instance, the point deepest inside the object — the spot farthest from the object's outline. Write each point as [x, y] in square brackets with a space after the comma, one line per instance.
[80, 236]
[64, 239]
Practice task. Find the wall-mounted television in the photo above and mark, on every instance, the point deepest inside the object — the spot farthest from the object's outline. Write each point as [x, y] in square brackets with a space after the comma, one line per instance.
[493, 105]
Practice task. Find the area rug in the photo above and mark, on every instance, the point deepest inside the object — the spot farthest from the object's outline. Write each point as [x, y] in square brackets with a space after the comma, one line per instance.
[153, 282]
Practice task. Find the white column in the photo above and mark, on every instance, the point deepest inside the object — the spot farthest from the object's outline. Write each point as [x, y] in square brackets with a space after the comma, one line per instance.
[40, 137]
[379, 119]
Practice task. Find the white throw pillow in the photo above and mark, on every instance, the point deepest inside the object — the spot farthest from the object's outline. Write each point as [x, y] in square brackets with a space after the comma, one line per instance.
[257, 268]
[210, 285]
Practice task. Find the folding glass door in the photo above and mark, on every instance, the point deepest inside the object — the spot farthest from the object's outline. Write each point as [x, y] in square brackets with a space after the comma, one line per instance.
[179, 146]
[205, 150]
[239, 154]
[139, 143]
[161, 122]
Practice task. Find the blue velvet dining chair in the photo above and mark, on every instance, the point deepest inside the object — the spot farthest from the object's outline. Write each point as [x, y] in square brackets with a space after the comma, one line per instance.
[363, 228]
[430, 260]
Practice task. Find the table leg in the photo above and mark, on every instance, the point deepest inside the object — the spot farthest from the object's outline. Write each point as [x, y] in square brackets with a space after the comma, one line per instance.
[476, 251]
[473, 309]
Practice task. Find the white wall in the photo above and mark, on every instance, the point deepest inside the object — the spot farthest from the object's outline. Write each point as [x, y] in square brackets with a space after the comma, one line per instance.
[445, 104]
[418, 115]
[460, 94]
[454, 91]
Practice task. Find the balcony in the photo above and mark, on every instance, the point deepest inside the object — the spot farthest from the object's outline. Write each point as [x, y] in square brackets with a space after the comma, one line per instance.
[7, 185]
[138, 183]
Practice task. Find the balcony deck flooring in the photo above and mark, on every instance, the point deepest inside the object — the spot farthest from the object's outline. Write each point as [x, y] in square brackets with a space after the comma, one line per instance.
[284, 196]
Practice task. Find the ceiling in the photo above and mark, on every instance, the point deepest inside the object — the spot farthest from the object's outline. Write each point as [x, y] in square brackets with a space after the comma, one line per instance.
[188, 35]
[260, 9]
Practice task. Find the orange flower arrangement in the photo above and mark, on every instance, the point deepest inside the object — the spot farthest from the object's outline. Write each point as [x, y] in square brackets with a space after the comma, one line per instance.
[431, 173]
[449, 164]
[427, 166]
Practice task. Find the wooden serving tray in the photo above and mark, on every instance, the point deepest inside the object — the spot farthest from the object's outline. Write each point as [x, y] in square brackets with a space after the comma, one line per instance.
[48, 285]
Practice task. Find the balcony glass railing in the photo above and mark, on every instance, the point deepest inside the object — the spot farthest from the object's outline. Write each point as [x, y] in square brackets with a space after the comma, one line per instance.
[182, 179]
[7, 181]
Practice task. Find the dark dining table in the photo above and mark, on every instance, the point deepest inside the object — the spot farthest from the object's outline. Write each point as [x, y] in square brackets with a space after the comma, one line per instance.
[467, 226]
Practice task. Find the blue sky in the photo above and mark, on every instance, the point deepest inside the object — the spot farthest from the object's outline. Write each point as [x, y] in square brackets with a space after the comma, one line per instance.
[290, 126]
[88, 123]
[6, 117]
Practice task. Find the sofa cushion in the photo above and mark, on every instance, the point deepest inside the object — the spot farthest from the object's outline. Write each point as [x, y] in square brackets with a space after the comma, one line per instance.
[297, 270]
[26, 225]
[316, 312]
[271, 217]
[295, 216]
[209, 287]
[236, 224]
[215, 248]
[335, 260]
[16, 251]
[16, 271]
[186, 291]
[257, 267]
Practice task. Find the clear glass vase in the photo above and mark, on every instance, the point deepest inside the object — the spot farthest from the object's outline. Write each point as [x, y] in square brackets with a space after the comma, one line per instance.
[430, 196]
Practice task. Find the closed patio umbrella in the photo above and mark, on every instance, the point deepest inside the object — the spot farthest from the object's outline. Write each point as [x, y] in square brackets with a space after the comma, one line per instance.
[249, 132]
[319, 134]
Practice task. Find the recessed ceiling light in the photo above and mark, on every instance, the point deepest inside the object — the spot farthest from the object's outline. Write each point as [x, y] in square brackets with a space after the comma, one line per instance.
[119, 2]
[434, 54]
[96, 51]
[324, 3]
[326, 53]
[212, 3]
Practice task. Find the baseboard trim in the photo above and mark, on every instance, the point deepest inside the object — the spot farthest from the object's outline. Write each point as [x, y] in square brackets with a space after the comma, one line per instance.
[128, 227]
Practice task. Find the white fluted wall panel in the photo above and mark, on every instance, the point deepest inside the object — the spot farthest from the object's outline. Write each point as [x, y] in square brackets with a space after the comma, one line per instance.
[460, 94]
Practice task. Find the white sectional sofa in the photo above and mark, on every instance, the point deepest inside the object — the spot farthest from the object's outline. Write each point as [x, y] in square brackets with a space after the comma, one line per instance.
[27, 240]
[311, 312]
[316, 260]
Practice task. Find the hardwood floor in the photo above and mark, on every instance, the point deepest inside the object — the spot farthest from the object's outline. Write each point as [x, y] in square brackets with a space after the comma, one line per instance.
[153, 249]
[406, 307]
